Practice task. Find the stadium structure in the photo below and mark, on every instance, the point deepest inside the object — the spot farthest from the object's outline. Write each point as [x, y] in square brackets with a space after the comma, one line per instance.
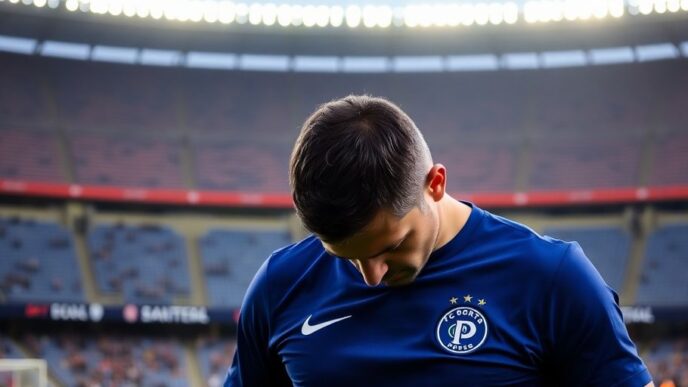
[144, 149]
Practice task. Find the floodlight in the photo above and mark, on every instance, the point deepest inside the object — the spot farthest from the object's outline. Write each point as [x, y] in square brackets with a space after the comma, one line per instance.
[309, 16]
[322, 15]
[510, 13]
[269, 14]
[211, 11]
[72, 5]
[482, 14]
[353, 16]
[336, 16]
[284, 15]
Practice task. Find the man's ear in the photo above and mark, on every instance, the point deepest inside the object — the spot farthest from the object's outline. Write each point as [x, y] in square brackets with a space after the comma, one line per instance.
[436, 182]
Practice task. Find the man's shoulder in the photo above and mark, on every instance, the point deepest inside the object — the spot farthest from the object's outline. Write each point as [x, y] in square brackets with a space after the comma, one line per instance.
[291, 261]
[537, 253]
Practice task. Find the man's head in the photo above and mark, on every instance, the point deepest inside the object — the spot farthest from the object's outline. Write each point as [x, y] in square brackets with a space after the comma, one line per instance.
[363, 182]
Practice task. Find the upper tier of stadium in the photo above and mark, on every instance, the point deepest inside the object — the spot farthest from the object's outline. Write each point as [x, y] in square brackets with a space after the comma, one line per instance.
[94, 123]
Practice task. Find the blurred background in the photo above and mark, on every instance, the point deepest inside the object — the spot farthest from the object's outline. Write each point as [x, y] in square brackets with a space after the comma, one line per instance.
[144, 149]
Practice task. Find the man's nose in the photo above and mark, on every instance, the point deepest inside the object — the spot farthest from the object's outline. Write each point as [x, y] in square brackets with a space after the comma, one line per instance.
[373, 270]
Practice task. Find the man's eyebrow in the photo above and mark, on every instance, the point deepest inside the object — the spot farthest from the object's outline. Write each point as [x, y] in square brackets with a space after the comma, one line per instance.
[389, 247]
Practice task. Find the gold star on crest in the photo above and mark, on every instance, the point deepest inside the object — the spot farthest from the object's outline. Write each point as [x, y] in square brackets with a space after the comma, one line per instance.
[453, 300]
[467, 298]
[482, 301]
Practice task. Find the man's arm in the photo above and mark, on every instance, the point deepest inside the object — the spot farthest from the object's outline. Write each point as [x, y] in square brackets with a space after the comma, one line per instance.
[585, 329]
[254, 364]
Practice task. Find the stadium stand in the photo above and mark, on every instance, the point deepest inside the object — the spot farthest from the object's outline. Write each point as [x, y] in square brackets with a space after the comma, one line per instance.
[9, 350]
[663, 281]
[23, 99]
[667, 361]
[41, 164]
[573, 128]
[132, 161]
[584, 163]
[247, 167]
[670, 158]
[113, 97]
[607, 247]
[145, 263]
[38, 261]
[215, 356]
[110, 360]
[231, 258]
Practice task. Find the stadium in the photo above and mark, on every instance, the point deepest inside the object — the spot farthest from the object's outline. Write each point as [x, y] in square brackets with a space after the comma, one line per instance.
[144, 151]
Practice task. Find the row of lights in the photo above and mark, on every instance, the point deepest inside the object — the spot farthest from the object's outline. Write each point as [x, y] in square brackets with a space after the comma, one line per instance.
[382, 16]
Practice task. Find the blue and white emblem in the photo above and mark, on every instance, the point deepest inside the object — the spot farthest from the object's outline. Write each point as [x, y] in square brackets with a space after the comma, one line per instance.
[462, 330]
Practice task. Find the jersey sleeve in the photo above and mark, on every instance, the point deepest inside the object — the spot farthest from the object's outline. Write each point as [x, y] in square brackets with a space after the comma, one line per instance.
[585, 329]
[254, 364]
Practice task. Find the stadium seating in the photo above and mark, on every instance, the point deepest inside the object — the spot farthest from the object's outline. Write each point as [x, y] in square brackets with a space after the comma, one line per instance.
[667, 361]
[40, 164]
[110, 360]
[146, 263]
[22, 96]
[132, 161]
[663, 279]
[114, 97]
[9, 350]
[231, 258]
[215, 356]
[607, 247]
[584, 163]
[556, 129]
[242, 167]
[669, 161]
[38, 261]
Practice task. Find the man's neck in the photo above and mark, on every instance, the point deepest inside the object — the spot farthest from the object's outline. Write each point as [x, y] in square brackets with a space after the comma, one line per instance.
[453, 216]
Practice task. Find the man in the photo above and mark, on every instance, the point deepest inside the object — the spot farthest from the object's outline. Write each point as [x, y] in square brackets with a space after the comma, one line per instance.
[402, 285]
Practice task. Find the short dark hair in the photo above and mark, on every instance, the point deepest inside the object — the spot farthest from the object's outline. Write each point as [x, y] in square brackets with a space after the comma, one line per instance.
[353, 157]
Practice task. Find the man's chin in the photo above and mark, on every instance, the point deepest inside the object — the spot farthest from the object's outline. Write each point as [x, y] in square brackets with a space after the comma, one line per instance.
[398, 281]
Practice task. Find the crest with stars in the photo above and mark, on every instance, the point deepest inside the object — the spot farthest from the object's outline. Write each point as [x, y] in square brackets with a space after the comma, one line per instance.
[463, 329]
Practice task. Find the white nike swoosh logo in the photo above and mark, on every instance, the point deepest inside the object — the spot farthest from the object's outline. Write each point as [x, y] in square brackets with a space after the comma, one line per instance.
[308, 329]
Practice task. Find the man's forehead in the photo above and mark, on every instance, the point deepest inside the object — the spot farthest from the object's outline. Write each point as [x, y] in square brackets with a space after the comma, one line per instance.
[385, 228]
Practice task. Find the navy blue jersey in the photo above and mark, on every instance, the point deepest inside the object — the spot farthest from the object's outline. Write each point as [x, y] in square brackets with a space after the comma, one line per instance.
[497, 305]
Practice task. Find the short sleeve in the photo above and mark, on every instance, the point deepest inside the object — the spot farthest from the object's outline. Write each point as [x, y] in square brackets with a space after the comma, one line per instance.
[254, 364]
[586, 334]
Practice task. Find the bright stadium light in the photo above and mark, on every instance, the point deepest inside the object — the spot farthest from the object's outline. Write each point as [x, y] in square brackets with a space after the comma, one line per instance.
[40, 3]
[284, 15]
[496, 13]
[269, 14]
[156, 9]
[296, 12]
[600, 9]
[72, 5]
[673, 5]
[322, 15]
[616, 8]
[227, 12]
[115, 7]
[309, 16]
[510, 13]
[645, 6]
[255, 14]
[482, 14]
[353, 16]
[684, 5]
[336, 16]
[211, 11]
[129, 8]
[466, 15]
[660, 6]
[242, 13]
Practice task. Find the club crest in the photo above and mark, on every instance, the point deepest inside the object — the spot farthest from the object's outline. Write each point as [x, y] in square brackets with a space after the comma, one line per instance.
[462, 330]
